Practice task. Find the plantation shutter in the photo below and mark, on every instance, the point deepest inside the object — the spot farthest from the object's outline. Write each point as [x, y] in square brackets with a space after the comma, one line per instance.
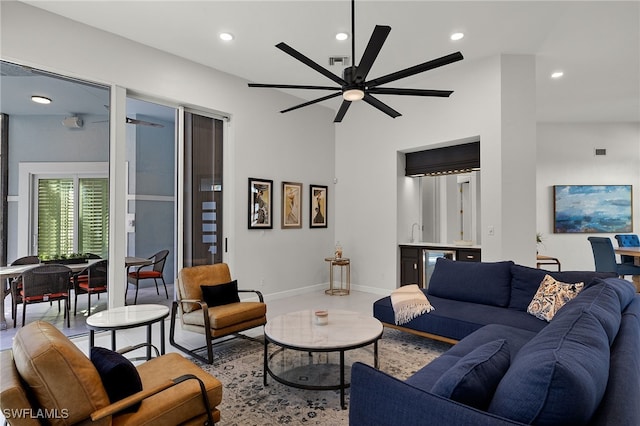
[55, 216]
[93, 216]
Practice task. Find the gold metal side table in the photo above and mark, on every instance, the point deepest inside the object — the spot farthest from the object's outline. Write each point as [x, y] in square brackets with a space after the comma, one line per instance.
[343, 263]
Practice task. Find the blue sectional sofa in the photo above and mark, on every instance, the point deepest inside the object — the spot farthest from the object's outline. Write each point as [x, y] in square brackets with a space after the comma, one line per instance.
[581, 368]
[469, 295]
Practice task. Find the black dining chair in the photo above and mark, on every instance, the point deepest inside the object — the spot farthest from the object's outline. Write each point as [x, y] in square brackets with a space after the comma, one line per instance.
[45, 283]
[14, 285]
[92, 280]
[152, 271]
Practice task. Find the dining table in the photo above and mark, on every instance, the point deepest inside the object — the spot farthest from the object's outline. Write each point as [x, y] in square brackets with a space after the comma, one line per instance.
[635, 252]
[17, 270]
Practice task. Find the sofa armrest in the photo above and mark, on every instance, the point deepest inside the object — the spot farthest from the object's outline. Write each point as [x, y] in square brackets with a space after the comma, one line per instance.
[137, 397]
[378, 399]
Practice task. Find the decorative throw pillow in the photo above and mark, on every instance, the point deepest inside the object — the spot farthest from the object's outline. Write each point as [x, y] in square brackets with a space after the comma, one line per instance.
[220, 294]
[119, 376]
[474, 378]
[551, 296]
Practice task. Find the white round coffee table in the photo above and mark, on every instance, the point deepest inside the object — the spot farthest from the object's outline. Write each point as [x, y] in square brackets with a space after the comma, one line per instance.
[125, 317]
[299, 332]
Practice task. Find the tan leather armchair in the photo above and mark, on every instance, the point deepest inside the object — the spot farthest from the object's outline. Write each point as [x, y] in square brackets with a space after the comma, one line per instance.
[47, 377]
[215, 321]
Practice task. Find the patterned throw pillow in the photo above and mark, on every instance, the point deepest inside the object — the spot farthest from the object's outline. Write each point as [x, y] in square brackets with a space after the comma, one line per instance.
[551, 296]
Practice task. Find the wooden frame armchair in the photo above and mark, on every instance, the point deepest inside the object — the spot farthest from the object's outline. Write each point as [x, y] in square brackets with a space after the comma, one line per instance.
[48, 374]
[212, 321]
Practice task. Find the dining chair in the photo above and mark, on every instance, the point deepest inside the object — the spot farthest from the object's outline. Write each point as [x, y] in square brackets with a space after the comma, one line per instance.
[45, 283]
[627, 240]
[15, 284]
[91, 280]
[152, 271]
[605, 258]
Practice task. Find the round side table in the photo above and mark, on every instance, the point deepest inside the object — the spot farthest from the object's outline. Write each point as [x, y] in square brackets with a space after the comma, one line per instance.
[343, 263]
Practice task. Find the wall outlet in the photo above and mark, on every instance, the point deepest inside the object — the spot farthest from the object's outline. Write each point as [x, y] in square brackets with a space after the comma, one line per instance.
[491, 231]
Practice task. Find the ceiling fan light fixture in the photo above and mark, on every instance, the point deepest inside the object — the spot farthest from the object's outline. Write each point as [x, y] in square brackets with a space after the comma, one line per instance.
[353, 95]
[40, 100]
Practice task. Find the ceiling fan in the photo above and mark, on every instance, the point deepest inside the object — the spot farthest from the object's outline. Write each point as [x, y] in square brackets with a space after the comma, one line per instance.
[353, 85]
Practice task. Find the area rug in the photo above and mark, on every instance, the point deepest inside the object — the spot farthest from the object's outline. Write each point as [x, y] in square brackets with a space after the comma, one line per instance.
[238, 364]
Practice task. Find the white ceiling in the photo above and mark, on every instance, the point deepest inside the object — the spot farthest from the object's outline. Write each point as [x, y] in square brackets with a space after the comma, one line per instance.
[595, 43]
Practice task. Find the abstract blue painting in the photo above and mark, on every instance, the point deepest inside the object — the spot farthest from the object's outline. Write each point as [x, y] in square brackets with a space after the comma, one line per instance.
[592, 209]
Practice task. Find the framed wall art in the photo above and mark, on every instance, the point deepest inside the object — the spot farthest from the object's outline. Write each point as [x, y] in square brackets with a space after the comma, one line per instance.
[260, 203]
[317, 206]
[291, 205]
[592, 209]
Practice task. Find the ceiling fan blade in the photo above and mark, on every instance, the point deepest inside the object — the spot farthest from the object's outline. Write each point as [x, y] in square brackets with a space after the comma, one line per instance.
[308, 62]
[378, 37]
[410, 92]
[293, 86]
[381, 106]
[143, 123]
[435, 63]
[342, 111]
[315, 101]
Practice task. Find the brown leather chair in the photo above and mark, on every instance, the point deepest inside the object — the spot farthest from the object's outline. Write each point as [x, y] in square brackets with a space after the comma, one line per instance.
[215, 321]
[47, 374]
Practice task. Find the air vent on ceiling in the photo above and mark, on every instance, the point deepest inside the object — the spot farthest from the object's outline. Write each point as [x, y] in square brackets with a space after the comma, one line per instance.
[339, 60]
[601, 151]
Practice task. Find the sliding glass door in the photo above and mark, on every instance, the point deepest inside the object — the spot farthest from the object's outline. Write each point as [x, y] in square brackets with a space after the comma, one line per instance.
[203, 185]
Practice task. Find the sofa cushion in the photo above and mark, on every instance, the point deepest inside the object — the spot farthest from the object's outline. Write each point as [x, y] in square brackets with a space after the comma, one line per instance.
[119, 376]
[565, 365]
[551, 296]
[488, 283]
[220, 294]
[525, 282]
[455, 319]
[474, 378]
[61, 377]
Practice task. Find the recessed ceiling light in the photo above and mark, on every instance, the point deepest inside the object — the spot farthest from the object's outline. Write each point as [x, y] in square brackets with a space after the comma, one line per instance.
[457, 36]
[226, 36]
[40, 100]
[557, 74]
[342, 36]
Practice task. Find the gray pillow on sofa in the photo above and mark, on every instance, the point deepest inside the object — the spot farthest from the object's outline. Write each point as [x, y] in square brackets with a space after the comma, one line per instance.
[473, 379]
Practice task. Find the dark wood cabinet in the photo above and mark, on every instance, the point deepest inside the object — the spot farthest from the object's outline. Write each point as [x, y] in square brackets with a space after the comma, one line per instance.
[410, 265]
[412, 268]
[468, 255]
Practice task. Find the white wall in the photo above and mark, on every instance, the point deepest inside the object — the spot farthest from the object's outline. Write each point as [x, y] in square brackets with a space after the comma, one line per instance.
[566, 157]
[375, 212]
[264, 143]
